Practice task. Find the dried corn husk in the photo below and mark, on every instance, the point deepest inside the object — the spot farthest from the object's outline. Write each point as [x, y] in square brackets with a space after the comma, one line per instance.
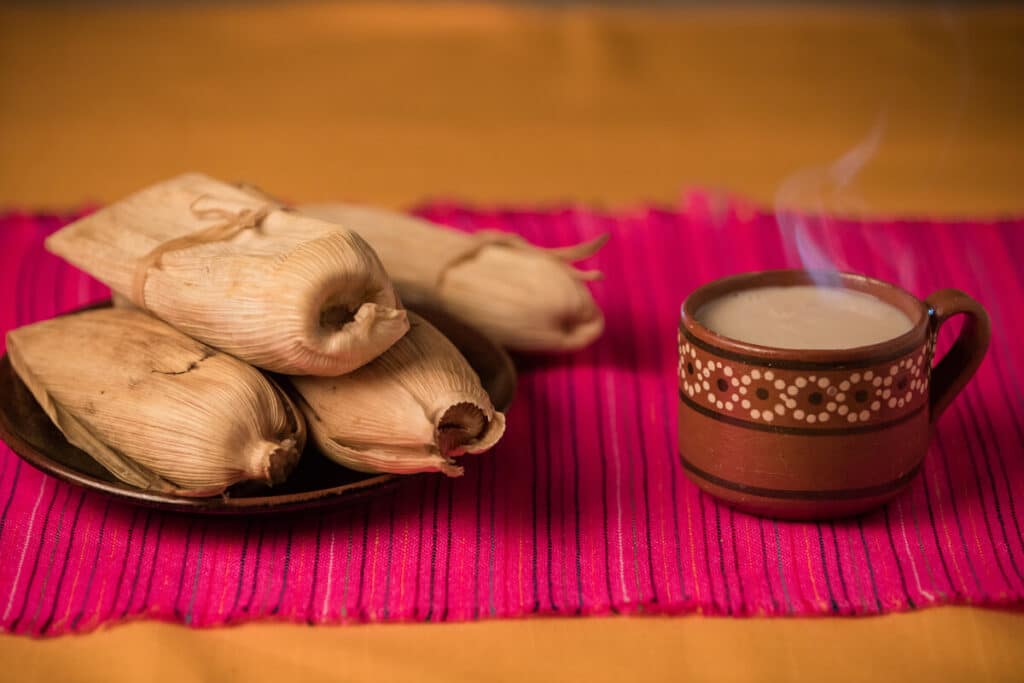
[411, 410]
[156, 408]
[284, 292]
[523, 296]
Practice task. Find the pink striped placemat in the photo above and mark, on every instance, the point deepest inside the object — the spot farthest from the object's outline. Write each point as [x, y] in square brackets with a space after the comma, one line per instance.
[583, 508]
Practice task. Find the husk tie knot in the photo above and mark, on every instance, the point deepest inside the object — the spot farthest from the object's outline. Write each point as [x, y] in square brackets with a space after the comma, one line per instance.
[232, 223]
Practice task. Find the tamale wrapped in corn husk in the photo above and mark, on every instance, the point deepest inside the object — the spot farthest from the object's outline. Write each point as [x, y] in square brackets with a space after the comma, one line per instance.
[159, 410]
[525, 297]
[412, 409]
[282, 291]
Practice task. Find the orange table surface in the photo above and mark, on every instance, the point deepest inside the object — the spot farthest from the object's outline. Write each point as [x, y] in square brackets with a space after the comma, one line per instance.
[395, 104]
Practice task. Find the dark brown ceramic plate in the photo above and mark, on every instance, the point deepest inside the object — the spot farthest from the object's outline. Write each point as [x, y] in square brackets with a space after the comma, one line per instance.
[316, 480]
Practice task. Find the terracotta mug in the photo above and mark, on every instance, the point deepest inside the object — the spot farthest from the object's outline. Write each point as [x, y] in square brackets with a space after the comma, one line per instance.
[810, 434]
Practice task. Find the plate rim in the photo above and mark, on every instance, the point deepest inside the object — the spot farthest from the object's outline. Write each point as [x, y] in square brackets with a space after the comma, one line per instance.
[211, 505]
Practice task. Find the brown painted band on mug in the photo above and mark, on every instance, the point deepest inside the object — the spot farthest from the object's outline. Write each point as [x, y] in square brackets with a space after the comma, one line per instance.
[790, 494]
[799, 431]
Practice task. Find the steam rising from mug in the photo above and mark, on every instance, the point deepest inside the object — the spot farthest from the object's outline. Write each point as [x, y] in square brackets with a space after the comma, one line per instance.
[807, 200]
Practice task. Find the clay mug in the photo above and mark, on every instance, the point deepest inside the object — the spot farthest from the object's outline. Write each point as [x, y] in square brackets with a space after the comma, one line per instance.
[811, 434]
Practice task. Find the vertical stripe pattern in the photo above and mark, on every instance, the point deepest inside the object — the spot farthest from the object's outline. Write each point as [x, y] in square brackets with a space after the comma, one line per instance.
[583, 508]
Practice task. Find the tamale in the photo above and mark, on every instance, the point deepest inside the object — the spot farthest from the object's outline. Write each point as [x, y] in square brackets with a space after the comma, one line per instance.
[523, 296]
[282, 291]
[156, 408]
[412, 409]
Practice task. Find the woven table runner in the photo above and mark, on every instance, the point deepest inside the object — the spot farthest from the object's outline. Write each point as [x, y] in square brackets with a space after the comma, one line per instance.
[583, 508]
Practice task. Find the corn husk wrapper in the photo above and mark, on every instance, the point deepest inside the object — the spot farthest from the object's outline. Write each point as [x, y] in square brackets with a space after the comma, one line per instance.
[285, 292]
[156, 408]
[524, 297]
[411, 410]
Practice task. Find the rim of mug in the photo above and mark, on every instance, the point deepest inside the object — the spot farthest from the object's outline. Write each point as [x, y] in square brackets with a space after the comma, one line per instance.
[714, 342]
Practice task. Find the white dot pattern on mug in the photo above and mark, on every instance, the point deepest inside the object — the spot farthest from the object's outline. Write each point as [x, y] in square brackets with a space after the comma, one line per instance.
[791, 397]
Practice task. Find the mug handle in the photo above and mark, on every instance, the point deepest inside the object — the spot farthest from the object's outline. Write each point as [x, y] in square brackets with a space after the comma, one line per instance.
[955, 370]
